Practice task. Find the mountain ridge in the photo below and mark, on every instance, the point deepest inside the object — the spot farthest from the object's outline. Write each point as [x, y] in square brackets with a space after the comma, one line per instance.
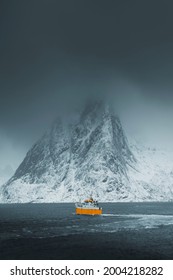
[84, 155]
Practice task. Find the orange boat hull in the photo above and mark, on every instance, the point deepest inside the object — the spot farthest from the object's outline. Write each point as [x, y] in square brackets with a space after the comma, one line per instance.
[85, 211]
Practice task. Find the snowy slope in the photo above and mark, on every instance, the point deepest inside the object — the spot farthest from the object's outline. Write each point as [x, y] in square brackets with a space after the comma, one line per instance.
[87, 155]
[153, 178]
[75, 159]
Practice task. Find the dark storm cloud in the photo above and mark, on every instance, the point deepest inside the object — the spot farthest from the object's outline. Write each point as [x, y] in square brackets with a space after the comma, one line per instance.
[54, 54]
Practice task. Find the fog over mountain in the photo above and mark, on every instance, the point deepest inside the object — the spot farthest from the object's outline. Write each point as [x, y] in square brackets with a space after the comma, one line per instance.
[90, 154]
[56, 54]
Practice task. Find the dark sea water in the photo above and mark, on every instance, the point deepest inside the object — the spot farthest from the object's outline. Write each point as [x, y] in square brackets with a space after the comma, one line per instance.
[53, 231]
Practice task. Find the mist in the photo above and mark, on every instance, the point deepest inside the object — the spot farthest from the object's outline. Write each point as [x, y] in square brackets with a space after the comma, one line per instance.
[57, 54]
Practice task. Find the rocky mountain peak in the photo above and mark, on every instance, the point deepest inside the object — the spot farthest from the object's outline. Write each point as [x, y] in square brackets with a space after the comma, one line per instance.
[75, 158]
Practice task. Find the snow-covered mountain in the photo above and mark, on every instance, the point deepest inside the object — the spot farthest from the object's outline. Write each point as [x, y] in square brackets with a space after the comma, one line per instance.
[153, 177]
[89, 154]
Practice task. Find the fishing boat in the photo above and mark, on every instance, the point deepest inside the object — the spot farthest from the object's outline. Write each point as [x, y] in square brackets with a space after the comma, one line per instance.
[88, 207]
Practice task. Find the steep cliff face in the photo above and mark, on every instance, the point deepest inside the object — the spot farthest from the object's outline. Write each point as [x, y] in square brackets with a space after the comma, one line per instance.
[74, 159]
[47, 159]
[89, 154]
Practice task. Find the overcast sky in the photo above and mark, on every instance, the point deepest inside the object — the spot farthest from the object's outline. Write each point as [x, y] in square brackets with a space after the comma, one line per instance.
[56, 52]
